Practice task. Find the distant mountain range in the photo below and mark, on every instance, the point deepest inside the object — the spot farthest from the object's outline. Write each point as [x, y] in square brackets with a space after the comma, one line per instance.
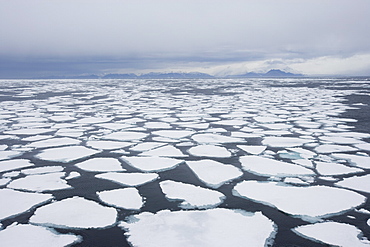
[192, 75]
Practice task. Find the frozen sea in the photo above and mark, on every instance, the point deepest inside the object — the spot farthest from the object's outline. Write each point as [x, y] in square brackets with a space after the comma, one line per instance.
[201, 162]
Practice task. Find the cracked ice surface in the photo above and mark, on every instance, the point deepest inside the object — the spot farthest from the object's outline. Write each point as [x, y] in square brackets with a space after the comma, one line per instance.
[212, 227]
[333, 233]
[150, 164]
[312, 201]
[22, 235]
[74, 212]
[127, 198]
[66, 154]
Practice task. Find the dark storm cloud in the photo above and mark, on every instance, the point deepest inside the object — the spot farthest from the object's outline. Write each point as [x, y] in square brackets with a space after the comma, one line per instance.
[73, 35]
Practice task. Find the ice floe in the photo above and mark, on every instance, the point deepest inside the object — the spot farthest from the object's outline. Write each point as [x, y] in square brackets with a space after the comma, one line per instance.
[93, 120]
[333, 233]
[128, 179]
[305, 202]
[284, 141]
[360, 183]
[29, 132]
[356, 160]
[209, 151]
[330, 169]
[8, 165]
[127, 198]
[213, 173]
[214, 139]
[40, 182]
[66, 154]
[166, 151]
[125, 136]
[54, 142]
[108, 145]
[4, 181]
[42, 170]
[14, 202]
[22, 235]
[100, 165]
[75, 212]
[207, 228]
[252, 149]
[145, 146]
[175, 134]
[4, 155]
[191, 196]
[333, 148]
[150, 164]
[269, 167]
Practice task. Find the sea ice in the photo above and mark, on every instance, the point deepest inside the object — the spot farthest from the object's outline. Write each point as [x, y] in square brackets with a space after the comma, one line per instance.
[252, 149]
[231, 122]
[14, 202]
[75, 212]
[127, 198]
[4, 181]
[150, 164]
[305, 202]
[213, 173]
[356, 160]
[42, 170]
[157, 125]
[214, 139]
[191, 196]
[125, 136]
[331, 169]
[145, 146]
[66, 154]
[333, 233]
[21, 235]
[333, 148]
[217, 227]
[73, 175]
[93, 120]
[4, 155]
[8, 165]
[166, 151]
[209, 151]
[108, 145]
[284, 141]
[54, 142]
[360, 183]
[100, 165]
[40, 182]
[62, 118]
[35, 131]
[268, 167]
[128, 179]
[175, 134]
[341, 140]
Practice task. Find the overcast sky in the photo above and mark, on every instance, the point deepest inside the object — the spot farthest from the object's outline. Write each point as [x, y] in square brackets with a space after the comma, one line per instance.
[55, 37]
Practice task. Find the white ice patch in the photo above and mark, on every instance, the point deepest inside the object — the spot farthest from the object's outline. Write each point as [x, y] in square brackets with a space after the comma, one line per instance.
[191, 196]
[42, 170]
[129, 179]
[340, 140]
[62, 118]
[268, 167]
[333, 233]
[4, 155]
[41, 182]
[209, 151]
[252, 149]
[114, 126]
[356, 160]
[29, 132]
[100, 165]
[36, 138]
[213, 173]
[4, 181]
[150, 164]
[35, 236]
[108, 145]
[266, 119]
[333, 148]
[304, 153]
[174, 134]
[14, 202]
[231, 122]
[166, 151]
[70, 132]
[73, 175]
[157, 125]
[360, 183]
[66, 154]
[125, 136]
[8, 165]
[214, 139]
[93, 120]
[305, 202]
[54, 142]
[145, 146]
[363, 146]
[206, 228]
[127, 198]
[75, 212]
[330, 169]
[273, 141]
